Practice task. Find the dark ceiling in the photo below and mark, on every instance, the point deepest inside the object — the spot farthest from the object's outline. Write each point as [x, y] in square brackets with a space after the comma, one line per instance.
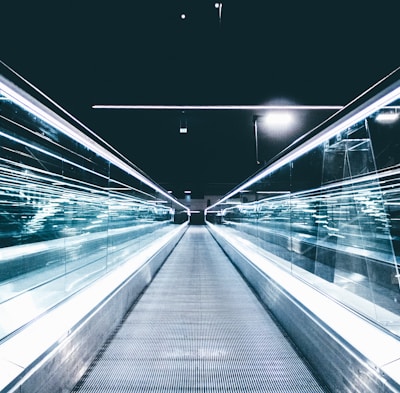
[82, 53]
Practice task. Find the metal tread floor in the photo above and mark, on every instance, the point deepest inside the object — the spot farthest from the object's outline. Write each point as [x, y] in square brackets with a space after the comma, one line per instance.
[198, 328]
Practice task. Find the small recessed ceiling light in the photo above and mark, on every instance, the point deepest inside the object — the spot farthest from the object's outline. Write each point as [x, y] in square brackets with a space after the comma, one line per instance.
[183, 16]
[183, 130]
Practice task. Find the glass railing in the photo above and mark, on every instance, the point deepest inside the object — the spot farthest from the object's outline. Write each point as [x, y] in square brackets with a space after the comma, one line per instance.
[328, 208]
[71, 209]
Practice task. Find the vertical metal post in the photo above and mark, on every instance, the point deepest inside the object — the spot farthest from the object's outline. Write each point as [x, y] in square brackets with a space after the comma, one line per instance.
[256, 137]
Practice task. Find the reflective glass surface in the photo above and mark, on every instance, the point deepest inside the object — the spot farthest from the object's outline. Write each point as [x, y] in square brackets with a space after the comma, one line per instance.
[70, 211]
[329, 210]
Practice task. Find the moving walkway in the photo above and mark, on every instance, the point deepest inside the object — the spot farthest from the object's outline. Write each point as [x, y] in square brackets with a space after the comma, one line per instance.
[314, 233]
[198, 327]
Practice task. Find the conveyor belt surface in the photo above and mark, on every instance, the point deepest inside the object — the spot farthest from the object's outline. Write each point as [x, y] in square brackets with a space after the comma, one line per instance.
[198, 328]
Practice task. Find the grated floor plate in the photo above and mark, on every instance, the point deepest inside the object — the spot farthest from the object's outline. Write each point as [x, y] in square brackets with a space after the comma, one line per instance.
[198, 328]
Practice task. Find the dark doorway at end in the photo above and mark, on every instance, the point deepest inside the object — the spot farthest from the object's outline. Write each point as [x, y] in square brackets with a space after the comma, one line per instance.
[197, 217]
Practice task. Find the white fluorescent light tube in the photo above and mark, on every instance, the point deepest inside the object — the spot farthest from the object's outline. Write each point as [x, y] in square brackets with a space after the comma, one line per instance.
[220, 107]
[387, 117]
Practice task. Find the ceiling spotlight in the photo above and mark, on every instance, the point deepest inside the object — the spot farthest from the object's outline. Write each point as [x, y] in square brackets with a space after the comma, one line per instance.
[183, 124]
[183, 16]
[218, 6]
[278, 119]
